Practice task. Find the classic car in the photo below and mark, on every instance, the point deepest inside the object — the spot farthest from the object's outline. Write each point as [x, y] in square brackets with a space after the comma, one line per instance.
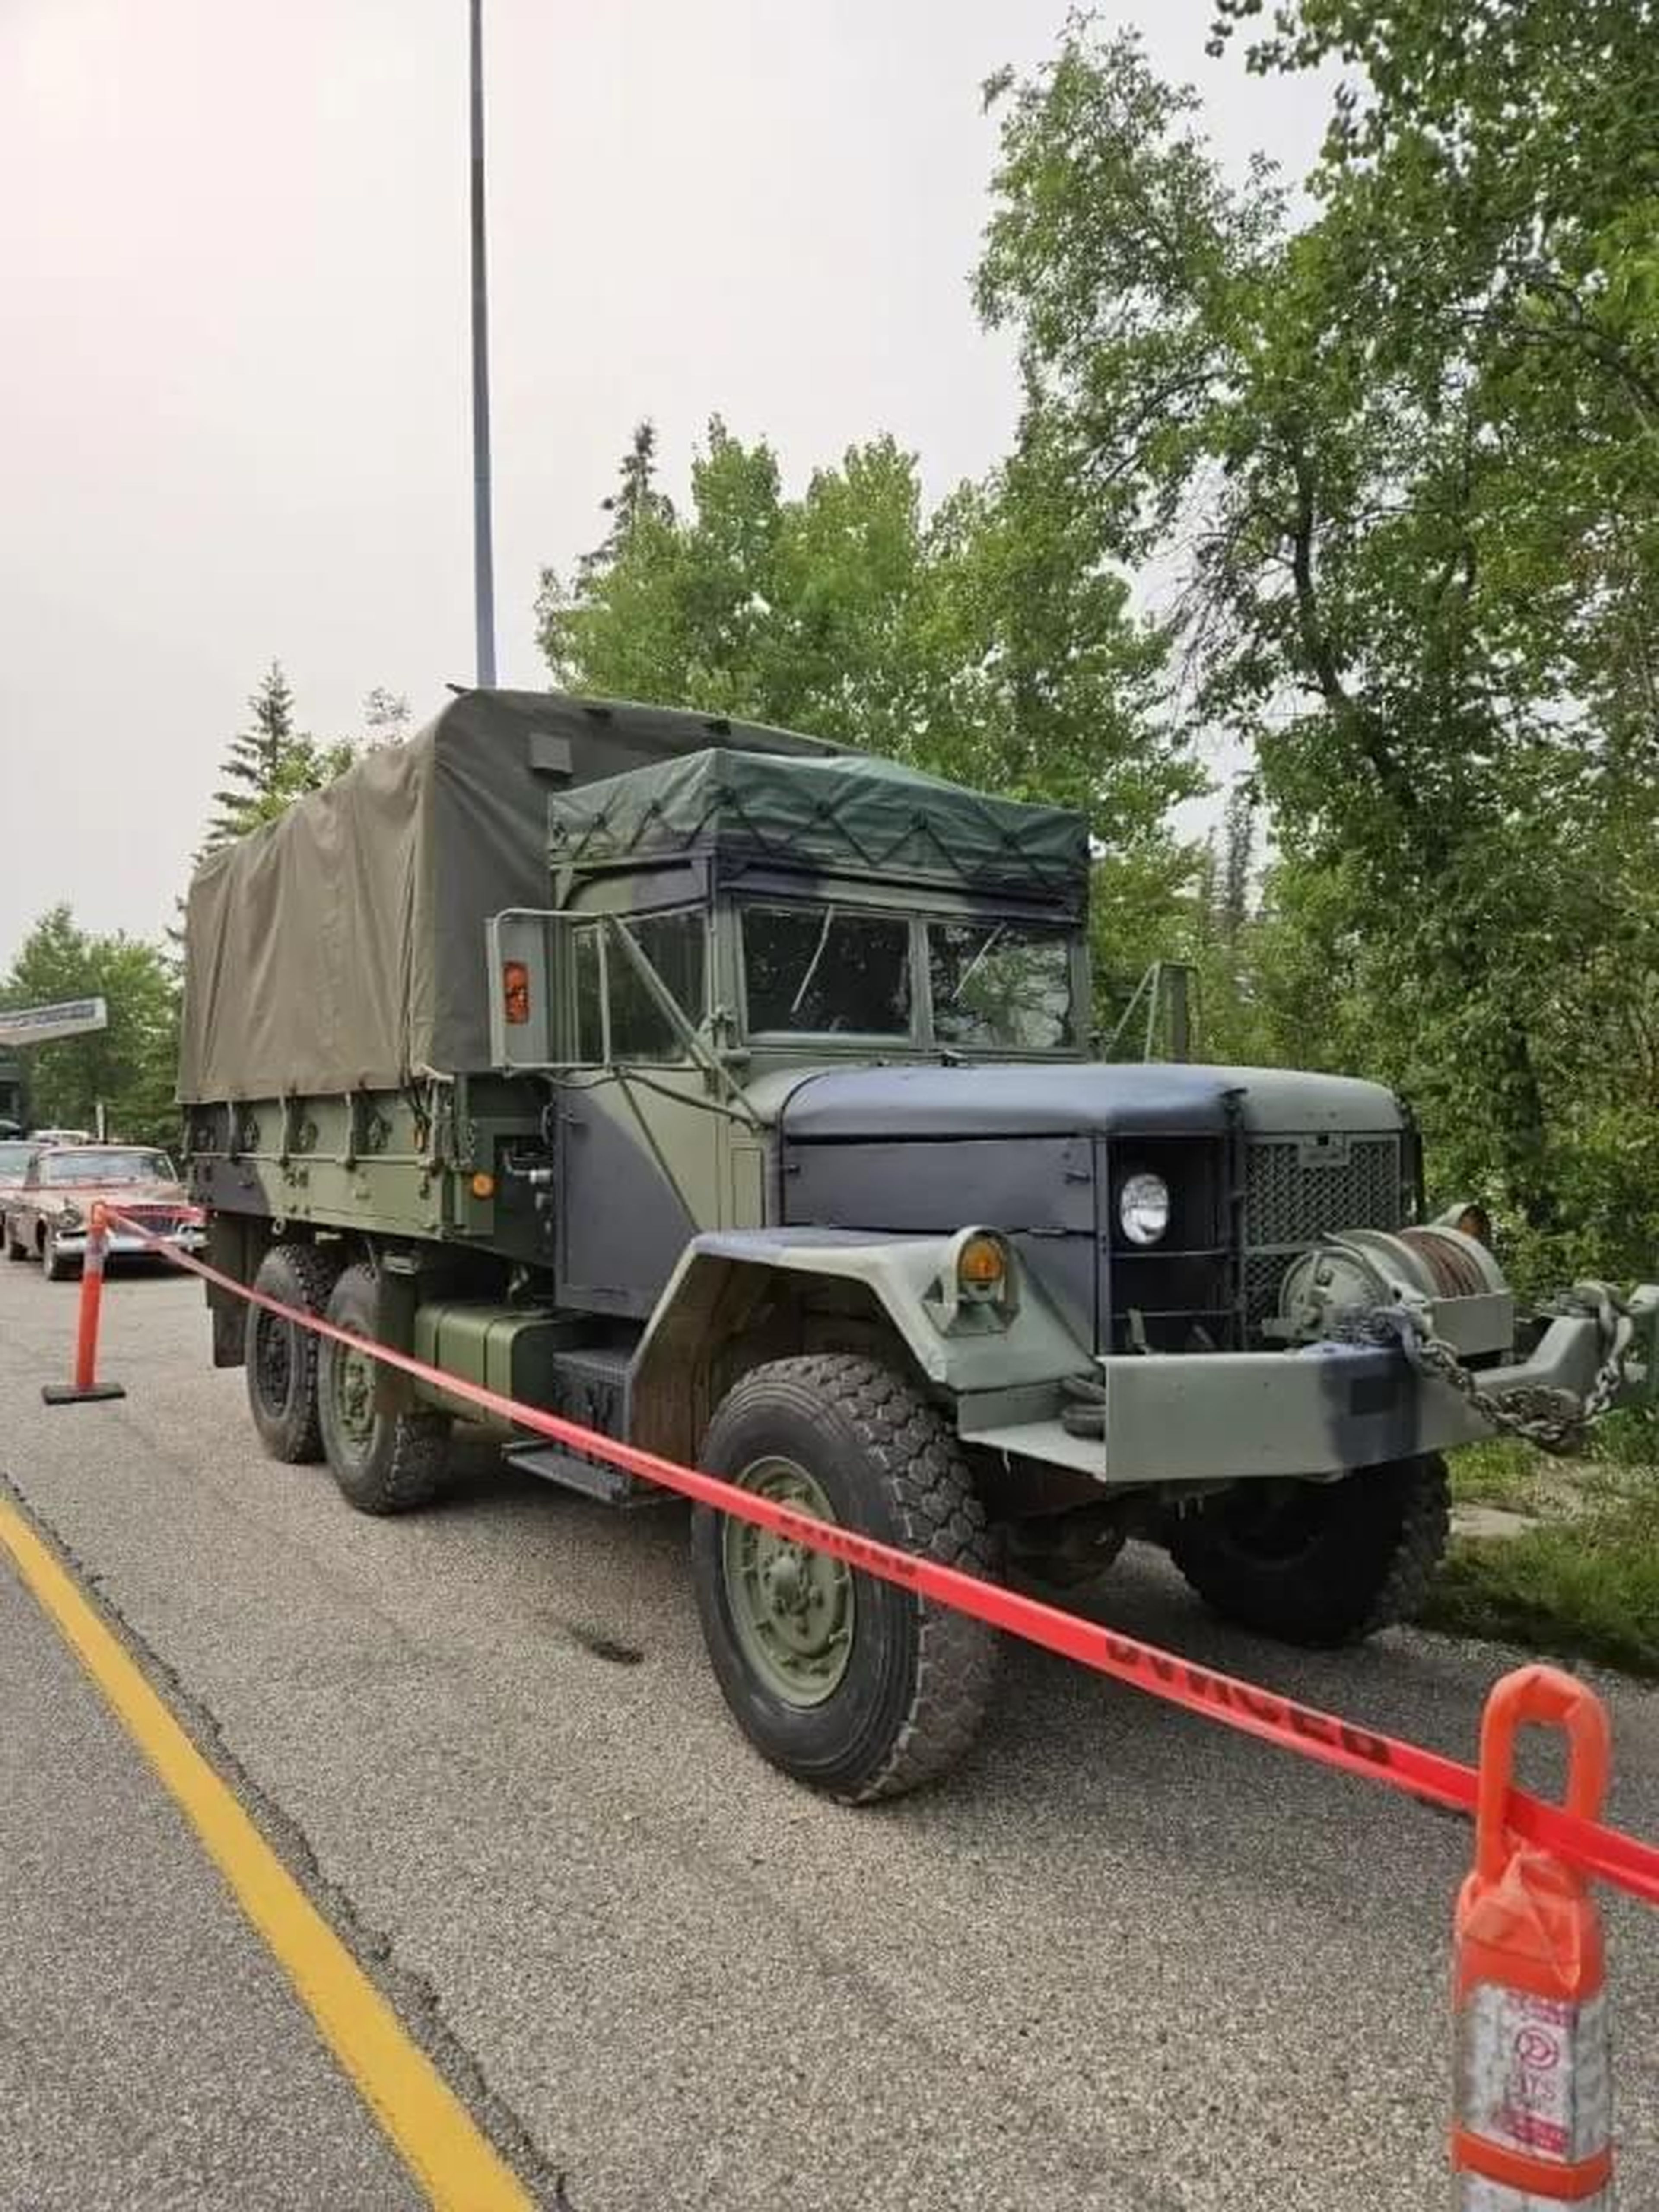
[47, 1215]
[15, 1153]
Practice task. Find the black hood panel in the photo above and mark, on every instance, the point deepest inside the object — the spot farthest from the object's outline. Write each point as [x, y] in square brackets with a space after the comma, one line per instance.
[1065, 1098]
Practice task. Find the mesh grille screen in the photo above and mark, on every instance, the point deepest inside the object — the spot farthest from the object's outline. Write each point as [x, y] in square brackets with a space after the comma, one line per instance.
[1292, 1201]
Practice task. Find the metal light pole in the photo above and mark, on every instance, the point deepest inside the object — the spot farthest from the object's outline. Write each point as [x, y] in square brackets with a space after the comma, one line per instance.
[484, 560]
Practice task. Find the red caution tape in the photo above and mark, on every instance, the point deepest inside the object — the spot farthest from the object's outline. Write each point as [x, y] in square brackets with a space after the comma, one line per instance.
[1605, 1853]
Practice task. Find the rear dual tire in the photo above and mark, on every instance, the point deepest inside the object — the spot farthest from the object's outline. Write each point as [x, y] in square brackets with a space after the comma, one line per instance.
[280, 1358]
[312, 1398]
[384, 1462]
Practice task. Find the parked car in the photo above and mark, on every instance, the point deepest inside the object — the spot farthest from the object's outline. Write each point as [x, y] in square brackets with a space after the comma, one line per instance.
[46, 1216]
[15, 1153]
[61, 1136]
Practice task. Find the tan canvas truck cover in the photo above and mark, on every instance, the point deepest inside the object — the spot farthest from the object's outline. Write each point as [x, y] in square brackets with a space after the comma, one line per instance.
[343, 946]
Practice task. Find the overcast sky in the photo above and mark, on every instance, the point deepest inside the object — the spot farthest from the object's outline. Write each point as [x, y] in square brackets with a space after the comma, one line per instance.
[233, 389]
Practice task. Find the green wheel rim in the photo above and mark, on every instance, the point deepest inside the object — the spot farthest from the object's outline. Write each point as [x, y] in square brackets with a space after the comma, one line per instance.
[353, 1396]
[793, 1608]
[273, 1357]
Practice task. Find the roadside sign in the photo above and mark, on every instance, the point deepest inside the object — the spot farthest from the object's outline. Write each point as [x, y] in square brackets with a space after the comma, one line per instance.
[40, 1024]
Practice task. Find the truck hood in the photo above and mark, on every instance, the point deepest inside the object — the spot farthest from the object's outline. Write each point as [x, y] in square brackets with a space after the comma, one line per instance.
[1053, 1098]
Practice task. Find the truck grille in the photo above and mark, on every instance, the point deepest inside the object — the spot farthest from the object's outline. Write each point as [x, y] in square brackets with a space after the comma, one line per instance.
[1298, 1191]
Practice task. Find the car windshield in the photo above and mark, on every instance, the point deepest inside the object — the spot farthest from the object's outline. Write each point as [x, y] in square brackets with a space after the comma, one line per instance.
[827, 971]
[1001, 986]
[14, 1158]
[59, 1168]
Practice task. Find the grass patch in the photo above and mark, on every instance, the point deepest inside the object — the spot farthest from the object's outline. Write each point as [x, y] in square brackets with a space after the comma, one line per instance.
[1586, 1589]
[1502, 1472]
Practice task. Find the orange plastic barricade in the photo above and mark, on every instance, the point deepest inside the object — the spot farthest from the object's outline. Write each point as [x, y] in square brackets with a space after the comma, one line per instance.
[1534, 2126]
[86, 1384]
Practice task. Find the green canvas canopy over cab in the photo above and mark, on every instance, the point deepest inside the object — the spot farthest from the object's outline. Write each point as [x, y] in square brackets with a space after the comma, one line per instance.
[847, 812]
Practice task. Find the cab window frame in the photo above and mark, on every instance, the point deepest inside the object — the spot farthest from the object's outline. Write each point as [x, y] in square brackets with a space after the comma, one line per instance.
[597, 928]
[922, 1034]
[912, 1035]
[1064, 938]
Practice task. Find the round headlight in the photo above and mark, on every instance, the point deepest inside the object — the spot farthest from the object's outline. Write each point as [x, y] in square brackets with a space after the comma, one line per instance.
[1143, 1208]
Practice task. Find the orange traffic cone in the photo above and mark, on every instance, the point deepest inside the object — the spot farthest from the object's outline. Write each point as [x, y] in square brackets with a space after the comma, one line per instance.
[1533, 2125]
[86, 1385]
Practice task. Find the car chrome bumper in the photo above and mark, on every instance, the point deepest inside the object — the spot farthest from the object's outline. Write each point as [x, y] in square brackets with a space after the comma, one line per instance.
[122, 1244]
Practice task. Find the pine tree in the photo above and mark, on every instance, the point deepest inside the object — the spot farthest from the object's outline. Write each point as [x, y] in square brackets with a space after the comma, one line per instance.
[268, 765]
[636, 500]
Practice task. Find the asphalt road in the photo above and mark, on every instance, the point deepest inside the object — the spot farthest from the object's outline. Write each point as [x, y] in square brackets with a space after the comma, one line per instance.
[1123, 1960]
[148, 2053]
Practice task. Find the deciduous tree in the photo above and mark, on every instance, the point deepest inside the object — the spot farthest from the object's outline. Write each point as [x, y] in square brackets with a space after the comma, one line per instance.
[130, 1067]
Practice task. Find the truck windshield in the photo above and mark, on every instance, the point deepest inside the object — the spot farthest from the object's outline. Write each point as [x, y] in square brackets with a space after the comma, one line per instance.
[827, 971]
[1001, 986]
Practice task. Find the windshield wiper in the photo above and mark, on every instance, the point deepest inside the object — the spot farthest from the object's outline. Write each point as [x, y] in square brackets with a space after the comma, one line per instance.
[974, 966]
[812, 966]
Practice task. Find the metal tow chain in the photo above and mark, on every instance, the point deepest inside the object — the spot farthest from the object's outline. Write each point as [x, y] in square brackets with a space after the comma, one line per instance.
[1555, 1420]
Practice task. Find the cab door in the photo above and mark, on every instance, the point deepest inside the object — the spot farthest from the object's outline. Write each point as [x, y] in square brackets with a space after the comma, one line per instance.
[639, 1137]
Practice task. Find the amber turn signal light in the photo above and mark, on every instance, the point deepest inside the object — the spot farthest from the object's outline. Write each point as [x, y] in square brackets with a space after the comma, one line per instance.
[981, 1264]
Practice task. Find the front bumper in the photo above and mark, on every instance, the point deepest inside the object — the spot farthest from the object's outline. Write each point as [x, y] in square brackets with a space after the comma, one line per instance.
[122, 1244]
[1174, 1419]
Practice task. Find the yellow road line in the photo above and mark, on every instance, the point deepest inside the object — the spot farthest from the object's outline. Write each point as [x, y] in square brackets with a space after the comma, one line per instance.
[431, 2129]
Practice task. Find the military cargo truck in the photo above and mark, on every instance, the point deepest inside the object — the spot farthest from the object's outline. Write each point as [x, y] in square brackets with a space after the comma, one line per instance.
[731, 1093]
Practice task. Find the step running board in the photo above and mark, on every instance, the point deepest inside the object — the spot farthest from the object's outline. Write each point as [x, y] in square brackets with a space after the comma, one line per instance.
[589, 1478]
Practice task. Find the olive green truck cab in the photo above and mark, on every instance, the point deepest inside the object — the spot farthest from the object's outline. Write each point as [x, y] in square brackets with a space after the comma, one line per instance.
[729, 1092]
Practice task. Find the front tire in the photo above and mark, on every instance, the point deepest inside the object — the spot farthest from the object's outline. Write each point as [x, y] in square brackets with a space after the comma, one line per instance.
[850, 1683]
[59, 1266]
[280, 1360]
[383, 1462]
[1320, 1563]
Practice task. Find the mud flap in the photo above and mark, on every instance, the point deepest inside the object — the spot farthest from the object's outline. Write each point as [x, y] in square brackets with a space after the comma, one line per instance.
[399, 1293]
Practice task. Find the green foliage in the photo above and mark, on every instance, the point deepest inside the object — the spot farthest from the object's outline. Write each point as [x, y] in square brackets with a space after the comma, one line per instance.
[991, 641]
[131, 1065]
[1502, 1472]
[1583, 1588]
[1398, 459]
[1629, 1438]
[270, 764]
